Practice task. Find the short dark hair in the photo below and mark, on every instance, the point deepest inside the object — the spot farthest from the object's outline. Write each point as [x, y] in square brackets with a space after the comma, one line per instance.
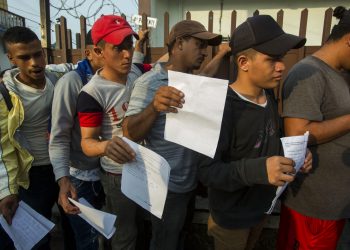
[247, 52]
[19, 34]
[101, 43]
[343, 27]
[88, 39]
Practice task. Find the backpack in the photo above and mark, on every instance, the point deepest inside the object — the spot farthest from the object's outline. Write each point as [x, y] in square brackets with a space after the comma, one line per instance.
[6, 95]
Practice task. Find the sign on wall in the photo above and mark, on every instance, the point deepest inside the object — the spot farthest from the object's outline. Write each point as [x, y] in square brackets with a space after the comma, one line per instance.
[151, 21]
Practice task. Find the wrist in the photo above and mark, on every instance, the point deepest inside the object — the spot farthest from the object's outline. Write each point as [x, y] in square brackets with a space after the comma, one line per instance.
[62, 180]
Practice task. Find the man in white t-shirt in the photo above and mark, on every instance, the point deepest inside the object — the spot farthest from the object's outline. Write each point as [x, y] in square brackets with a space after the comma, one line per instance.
[30, 175]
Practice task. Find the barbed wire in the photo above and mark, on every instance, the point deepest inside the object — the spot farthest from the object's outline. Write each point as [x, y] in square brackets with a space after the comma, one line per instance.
[90, 17]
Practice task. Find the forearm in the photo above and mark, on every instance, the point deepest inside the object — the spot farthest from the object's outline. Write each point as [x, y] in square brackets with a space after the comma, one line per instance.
[320, 132]
[233, 175]
[136, 127]
[212, 67]
[93, 147]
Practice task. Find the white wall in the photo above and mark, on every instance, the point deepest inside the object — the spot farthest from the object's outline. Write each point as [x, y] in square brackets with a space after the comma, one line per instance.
[200, 9]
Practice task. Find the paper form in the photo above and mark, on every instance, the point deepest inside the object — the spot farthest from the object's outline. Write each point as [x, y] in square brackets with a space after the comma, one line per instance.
[103, 222]
[197, 125]
[28, 227]
[294, 147]
[145, 181]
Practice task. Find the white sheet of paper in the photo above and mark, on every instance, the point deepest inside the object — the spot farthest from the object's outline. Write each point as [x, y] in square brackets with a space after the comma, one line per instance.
[101, 221]
[145, 181]
[28, 227]
[197, 125]
[294, 147]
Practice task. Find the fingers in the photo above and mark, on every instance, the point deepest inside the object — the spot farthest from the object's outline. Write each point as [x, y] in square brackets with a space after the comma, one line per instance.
[224, 48]
[8, 207]
[143, 34]
[66, 205]
[168, 99]
[280, 170]
[67, 189]
[306, 168]
[119, 151]
[9, 213]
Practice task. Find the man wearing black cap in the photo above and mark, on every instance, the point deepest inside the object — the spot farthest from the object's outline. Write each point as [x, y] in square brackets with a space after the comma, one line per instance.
[243, 177]
[145, 119]
[316, 98]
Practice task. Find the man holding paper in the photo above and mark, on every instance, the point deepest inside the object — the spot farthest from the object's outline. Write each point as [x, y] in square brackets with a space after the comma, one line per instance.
[101, 106]
[145, 119]
[247, 167]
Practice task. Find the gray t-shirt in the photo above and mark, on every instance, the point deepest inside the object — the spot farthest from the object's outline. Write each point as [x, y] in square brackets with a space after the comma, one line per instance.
[182, 161]
[316, 92]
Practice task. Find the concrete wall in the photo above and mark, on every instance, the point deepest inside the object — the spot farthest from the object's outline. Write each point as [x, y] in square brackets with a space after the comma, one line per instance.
[200, 8]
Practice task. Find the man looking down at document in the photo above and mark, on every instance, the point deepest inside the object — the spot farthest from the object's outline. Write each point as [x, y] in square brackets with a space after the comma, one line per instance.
[241, 190]
[145, 119]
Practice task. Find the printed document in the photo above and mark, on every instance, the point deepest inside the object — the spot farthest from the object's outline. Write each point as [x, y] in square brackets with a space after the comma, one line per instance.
[145, 181]
[28, 227]
[101, 221]
[197, 125]
[294, 147]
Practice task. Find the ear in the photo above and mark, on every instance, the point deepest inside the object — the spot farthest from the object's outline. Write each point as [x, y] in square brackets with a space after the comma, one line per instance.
[243, 63]
[98, 51]
[88, 54]
[180, 42]
[10, 57]
[348, 40]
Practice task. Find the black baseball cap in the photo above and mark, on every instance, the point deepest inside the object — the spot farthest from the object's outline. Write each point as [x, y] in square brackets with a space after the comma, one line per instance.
[263, 34]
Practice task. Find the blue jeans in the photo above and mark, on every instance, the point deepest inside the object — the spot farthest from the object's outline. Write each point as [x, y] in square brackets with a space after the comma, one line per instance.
[167, 232]
[126, 210]
[86, 237]
[41, 196]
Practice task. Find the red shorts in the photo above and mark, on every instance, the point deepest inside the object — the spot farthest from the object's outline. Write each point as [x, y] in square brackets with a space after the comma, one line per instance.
[300, 232]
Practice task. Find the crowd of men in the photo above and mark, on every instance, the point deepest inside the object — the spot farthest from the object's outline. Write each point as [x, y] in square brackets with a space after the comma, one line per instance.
[61, 135]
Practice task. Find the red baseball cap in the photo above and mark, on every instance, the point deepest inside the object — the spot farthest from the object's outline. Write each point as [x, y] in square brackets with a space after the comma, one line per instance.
[112, 29]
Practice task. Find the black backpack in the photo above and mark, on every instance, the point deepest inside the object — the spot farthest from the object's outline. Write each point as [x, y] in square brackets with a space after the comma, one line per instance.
[6, 95]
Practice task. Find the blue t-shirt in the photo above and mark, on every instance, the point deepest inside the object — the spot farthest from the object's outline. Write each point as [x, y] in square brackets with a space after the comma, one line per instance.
[183, 161]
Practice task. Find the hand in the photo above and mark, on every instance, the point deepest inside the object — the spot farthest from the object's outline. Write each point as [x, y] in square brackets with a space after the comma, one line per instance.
[143, 35]
[119, 151]
[280, 170]
[224, 48]
[67, 189]
[306, 168]
[168, 99]
[8, 207]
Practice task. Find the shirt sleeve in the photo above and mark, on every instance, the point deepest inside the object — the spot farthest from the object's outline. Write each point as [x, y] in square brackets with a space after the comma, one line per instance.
[142, 95]
[303, 92]
[62, 122]
[138, 57]
[90, 112]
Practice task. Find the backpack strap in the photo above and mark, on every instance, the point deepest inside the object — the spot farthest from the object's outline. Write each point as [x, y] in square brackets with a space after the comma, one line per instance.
[6, 94]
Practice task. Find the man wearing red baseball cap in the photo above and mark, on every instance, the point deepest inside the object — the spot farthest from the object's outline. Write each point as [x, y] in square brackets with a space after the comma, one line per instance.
[101, 107]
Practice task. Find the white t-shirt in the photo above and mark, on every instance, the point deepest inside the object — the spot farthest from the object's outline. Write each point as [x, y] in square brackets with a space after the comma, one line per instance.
[37, 111]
